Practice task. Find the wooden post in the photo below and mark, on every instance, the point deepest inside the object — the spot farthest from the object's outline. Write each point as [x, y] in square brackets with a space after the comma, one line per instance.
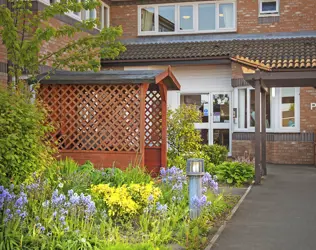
[264, 134]
[163, 93]
[143, 93]
[257, 132]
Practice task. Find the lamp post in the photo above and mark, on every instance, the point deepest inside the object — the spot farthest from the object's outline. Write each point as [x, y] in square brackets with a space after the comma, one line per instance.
[195, 172]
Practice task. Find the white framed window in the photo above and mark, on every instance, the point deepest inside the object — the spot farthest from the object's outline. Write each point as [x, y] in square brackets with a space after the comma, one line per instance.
[104, 16]
[269, 7]
[191, 17]
[282, 110]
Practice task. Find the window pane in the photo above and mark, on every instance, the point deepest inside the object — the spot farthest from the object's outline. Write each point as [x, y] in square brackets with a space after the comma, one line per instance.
[269, 6]
[186, 17]
[204, 136]
[242, 108]
[166, 18]
[207, 16]
[200, 101]
[148, 19]
[252, 108]
[105, 17]
[288, 107]
[221, 137]
[226, 15]
[221, 108]
[268, 109]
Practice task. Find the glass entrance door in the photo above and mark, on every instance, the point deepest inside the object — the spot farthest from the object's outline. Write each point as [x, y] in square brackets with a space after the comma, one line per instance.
[220, 119]
[215, 108]
[201, 102]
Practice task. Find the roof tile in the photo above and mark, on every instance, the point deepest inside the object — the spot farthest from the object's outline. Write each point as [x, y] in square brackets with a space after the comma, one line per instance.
[272, 53]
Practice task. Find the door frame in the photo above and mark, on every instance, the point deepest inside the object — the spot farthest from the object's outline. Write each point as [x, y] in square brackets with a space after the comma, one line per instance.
[210, 125]
[228, 125]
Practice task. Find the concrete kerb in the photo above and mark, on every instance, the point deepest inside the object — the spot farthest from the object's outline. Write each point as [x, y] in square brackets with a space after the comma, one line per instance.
[231, 214]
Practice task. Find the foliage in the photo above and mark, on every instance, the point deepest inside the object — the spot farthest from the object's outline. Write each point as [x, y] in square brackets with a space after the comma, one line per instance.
[23, 145]
[215, 153]
[184, 140]
[49, 214]
[210, 168]
[126, 201]
[24, 34]
[235, 173]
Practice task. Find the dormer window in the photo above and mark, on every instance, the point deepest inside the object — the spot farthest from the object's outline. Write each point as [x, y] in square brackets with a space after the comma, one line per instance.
[268, 7]
[187, 18]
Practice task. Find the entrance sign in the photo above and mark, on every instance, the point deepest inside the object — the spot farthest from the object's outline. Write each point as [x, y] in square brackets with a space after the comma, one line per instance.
[313, 105]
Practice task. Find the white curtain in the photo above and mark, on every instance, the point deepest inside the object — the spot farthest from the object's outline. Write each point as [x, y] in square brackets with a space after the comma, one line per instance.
[228, 12]
[147, 20]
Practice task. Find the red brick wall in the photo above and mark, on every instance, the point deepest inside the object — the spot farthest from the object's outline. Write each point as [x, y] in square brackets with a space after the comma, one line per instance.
[279, 152]
[126, 16]
[295, 15]
[236, 71]
[308, 116]
[55, 44]
[3, 59]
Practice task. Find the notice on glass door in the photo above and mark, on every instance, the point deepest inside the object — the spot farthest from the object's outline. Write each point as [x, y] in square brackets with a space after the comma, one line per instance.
[217, 117]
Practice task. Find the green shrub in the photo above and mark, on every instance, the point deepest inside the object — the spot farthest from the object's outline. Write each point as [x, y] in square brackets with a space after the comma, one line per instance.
[210, 168]
[235, 173]
[23, 145]
[183, 139]
[215, 154]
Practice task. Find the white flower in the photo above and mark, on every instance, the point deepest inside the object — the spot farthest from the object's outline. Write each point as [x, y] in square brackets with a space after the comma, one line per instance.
[83, 240]
[60, 185]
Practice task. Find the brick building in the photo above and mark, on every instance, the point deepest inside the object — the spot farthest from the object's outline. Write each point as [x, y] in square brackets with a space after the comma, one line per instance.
[102, 13]
[209, 45]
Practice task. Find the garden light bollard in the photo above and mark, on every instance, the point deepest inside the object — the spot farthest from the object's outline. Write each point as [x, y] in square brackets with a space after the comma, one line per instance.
[195, 172]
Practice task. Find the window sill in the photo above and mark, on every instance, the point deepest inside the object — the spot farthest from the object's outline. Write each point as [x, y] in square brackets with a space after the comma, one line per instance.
[185, 33]
[268, 15]
[273, 131]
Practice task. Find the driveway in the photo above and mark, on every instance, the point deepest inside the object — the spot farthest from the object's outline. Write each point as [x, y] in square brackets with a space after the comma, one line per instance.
[279, 214]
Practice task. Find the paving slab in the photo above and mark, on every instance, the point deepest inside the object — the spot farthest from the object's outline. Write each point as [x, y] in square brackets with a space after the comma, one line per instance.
[280, 214]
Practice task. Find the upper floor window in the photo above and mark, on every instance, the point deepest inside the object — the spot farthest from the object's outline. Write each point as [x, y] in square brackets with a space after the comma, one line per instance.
[102, 12]
[268, 7]
[197, 17]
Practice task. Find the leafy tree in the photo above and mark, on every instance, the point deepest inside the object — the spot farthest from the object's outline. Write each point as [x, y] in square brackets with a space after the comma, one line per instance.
[24, 33]
[183, 139]
[24, 146]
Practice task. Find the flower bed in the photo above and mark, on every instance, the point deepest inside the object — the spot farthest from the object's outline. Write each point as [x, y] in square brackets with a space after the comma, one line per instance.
[71, 207]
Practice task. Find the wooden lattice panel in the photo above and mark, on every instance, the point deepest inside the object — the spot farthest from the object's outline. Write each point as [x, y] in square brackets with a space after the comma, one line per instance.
[94, 117]
[153, 118]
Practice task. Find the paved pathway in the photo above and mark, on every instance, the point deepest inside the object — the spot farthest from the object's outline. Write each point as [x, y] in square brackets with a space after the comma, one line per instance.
[278, 215]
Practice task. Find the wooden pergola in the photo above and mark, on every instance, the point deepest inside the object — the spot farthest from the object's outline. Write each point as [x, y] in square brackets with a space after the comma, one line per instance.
[262, 81]
[112, 118]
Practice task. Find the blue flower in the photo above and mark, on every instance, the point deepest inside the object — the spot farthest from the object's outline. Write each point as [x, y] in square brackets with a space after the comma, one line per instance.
[162, 208]
[150, 198]
[45, 204]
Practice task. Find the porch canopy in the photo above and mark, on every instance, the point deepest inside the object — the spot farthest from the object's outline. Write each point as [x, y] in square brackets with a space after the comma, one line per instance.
[112, 118]
[261, 81]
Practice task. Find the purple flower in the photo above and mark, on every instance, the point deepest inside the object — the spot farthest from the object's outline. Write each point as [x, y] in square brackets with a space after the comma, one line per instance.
[200, 202]
[209, 182]
[23, 214]
[150, 198]
[42, 229]
[45, 204]
[70, 192]
[162, 208]
[21, 201]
